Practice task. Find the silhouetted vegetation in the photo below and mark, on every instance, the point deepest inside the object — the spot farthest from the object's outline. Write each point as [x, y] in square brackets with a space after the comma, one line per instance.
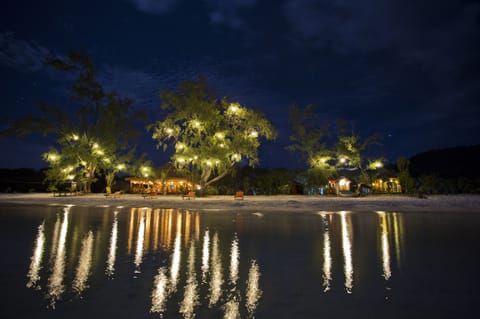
[22, 180]
[447, 171]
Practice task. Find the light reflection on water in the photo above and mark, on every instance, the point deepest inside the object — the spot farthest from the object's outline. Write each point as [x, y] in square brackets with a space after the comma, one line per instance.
[35, 265]
[190, 297]
[153, 230]
[387, 272]
[112, 251]
[191, 266]
[160, 291]
[177, 251]
[234, 261]
[84, 264]
[216, 279]
[327, 254]
[254, 291]
[55, 282]
[149, 231]
[140, 242]
[347, 250]
[205, 255]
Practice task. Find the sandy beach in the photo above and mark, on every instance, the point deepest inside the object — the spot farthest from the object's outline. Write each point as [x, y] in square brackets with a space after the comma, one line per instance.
[388, 203]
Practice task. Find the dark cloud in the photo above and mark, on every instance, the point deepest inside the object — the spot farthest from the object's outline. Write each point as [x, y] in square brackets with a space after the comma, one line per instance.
[229, 12]
[135, 84]
[154, 6]
[428, 50]
[21, 55]
[220, 12]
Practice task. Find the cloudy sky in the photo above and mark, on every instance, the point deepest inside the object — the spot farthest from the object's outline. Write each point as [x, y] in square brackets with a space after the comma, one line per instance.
[407, 69]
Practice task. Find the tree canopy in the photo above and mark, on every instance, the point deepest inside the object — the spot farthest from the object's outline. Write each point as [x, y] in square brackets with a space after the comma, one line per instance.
[310, 136]
[209, 135]
[351, 151]
[326, 154]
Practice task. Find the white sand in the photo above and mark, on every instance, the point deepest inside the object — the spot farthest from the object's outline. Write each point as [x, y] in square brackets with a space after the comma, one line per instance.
[389, 203]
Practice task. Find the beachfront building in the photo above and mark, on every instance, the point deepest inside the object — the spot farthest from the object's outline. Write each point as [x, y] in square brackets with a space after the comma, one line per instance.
[345, 186]
[390, 185]
[160, 186]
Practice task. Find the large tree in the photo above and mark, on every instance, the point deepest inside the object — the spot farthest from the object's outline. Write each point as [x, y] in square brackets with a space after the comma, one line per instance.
[310, 138]
[325, 154]
[94, 129]
[209, 135]
[351, 152]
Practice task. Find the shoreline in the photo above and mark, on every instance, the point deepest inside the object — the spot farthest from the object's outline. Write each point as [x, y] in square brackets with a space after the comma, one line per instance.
[284, 203]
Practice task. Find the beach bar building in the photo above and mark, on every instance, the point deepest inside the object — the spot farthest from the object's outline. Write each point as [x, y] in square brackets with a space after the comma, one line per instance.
[390, 185]
[160, 186]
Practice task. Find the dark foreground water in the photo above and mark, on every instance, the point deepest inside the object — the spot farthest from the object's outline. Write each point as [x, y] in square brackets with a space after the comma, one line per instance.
[78, 262]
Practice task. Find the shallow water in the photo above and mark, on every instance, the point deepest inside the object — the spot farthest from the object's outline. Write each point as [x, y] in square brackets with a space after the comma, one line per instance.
[108, 262]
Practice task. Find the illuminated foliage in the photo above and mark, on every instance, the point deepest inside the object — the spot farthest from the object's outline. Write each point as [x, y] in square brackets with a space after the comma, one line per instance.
[351, 149]
[311, 138]
[208, 135]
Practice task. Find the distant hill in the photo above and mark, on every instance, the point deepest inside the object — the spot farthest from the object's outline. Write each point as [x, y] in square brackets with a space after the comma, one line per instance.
[461, 161]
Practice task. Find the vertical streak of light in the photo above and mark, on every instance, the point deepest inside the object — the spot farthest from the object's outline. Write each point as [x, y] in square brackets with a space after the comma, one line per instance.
[234, 261]
[84, 264]
[56, 233]
[197, 226]
[177, 251]
[130, 230]
[231, 307]
[190, 297]
[347, 252]
[163, 229]
[387, 272]
[398, 235]
[36, 259]
[216, 279]
[160, 291]
[140, 239]
[205, 255]
[188, 215]
[253, 292]
[148, 218]
[55, 282]
[112, 251]
[327, 257]
[156, 229]
[168, 233]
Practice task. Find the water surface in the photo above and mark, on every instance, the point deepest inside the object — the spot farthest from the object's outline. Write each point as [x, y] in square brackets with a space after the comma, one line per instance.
[114, 262]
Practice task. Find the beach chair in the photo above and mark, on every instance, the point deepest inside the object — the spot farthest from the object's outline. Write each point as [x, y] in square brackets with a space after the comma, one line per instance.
[238, 195]
[149, 195]
[189, 195]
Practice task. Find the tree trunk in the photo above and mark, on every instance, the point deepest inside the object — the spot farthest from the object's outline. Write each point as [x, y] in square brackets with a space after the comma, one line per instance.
[89, 179]
[204, 180]
[109, 177]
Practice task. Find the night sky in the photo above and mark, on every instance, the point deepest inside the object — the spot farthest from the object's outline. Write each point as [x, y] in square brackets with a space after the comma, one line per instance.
[407, 69]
